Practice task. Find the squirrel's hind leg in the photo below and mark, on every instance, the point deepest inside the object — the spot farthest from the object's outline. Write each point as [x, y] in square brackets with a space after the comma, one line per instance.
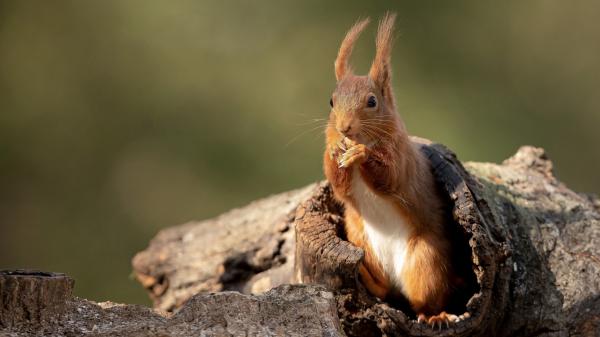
[375, 287]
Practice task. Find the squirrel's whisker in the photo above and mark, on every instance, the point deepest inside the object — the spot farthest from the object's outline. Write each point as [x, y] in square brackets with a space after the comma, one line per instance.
[312, 121]
[305, 132]
[378, 129]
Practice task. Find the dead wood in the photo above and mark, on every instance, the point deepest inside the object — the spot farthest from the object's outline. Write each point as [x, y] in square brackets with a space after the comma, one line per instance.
[32, 297]
[321, 253]
[246, 249]
[288, 310]
[533, 246]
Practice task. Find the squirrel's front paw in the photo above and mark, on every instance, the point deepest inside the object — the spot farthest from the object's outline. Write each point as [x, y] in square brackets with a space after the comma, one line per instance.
[355, 154]
[336, 150]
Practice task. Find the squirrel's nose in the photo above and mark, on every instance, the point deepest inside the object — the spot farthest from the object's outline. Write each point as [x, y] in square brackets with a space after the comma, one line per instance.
[345, 130]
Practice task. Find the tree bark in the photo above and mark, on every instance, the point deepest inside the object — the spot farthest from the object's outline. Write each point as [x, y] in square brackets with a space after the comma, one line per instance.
[30, 297]
[288, 310]
[321, 253]
[248, 249]
[532, 243]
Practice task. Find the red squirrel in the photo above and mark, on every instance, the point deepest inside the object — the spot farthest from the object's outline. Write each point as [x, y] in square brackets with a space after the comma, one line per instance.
[393, 209]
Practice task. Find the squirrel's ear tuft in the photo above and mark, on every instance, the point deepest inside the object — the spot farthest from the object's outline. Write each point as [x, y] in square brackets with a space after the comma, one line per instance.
[341, 62]
[381, 71]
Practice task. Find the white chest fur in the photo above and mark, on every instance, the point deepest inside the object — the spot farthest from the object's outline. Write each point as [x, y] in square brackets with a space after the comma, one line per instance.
[386, 228]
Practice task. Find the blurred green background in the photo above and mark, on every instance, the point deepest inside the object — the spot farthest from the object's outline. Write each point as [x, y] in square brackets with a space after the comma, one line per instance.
[119, 118]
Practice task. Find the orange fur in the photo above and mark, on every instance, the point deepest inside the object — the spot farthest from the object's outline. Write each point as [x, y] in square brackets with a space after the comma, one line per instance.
[371, 272]
[375, 140]
[428, 294]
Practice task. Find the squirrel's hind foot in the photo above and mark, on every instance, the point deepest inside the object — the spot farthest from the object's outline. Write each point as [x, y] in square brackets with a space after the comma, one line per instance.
[441, 318]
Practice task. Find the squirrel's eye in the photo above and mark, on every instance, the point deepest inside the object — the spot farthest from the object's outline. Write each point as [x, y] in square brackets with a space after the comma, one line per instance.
[331, 102]
[371, 102]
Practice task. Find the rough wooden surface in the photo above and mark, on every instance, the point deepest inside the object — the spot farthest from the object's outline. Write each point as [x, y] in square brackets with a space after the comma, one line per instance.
[248, 249]
[288, 310]
[555, 238]
[323, 257]
[32, 297]
[535, 248]
[547, 235]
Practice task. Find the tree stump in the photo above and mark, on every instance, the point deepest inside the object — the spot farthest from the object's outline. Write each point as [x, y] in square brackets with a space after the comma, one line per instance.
[30, 297]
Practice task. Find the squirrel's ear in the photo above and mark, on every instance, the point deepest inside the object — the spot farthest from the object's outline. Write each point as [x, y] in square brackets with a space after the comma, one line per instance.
[381, 71]
[341, 62]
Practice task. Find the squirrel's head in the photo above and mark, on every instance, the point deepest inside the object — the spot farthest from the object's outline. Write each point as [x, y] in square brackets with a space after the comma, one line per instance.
[360, 105]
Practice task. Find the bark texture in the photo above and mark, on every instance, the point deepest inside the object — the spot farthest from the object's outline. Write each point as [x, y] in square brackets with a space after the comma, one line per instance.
[249, 249]
[535, 249]
[554, 235]
[288, 310]
[533, 246]
[31, 297]
[321, 252]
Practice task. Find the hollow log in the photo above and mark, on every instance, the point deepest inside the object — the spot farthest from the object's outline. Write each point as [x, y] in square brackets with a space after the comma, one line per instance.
[321, 252]
[533, 245]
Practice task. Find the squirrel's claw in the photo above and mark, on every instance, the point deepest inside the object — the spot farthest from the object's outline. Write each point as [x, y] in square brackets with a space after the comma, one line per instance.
[356, 153]
[453, 318]
[441, 318]
[343, 163]
[337, 150]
